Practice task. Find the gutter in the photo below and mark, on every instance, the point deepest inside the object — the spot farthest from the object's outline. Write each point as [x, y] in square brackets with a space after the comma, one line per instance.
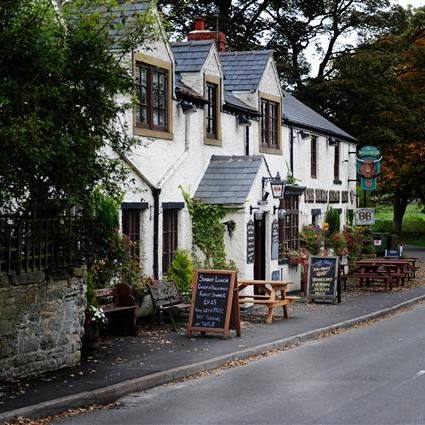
[155, 193]
[291, 150]
[322, 131]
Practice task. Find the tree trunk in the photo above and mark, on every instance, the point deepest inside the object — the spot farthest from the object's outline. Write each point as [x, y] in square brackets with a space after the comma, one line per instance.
[399, 206]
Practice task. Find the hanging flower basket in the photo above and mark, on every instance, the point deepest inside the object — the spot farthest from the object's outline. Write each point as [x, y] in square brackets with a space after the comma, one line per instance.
[293, 260]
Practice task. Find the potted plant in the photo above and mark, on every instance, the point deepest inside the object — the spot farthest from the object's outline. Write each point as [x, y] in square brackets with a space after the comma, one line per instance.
[95, 320]
[181, 272]
[294, 257]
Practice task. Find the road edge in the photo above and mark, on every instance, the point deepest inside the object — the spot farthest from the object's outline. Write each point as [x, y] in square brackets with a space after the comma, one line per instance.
[113, 392]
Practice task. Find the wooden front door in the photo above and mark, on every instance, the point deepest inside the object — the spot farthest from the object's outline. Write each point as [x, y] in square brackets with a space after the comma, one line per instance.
[260, 249]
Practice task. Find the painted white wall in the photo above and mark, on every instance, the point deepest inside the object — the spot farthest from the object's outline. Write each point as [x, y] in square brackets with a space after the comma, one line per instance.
[168, 164]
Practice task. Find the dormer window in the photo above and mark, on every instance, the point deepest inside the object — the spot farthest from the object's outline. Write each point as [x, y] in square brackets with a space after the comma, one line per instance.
[270, 124]
[152, 110]
[212, 111]
[151, 92]
[211, 116]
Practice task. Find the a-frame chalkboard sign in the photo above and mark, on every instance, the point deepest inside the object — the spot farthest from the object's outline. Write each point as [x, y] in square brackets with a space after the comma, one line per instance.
[323, 278]
[214, 305]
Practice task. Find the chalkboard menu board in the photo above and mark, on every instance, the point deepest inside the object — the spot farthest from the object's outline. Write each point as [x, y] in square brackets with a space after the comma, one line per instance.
[322, 278]
[275, 240]
[250, 242]
[215, 302]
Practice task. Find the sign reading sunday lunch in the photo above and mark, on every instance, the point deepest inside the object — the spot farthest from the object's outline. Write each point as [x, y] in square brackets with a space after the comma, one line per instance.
[211, 303]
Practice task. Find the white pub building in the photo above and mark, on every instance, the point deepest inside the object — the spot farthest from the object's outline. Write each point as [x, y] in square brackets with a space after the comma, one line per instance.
[218, 125]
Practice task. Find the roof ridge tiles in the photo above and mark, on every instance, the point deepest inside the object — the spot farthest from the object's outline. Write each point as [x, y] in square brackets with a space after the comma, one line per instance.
[246, 52]
[191, 42]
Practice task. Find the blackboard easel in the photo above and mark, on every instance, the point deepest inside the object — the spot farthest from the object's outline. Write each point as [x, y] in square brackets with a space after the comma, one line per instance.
[214, 304]
[323, 281]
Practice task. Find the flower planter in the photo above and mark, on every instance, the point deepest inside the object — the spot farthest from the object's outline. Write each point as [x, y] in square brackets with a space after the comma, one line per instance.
[90, 339]
[293, 261]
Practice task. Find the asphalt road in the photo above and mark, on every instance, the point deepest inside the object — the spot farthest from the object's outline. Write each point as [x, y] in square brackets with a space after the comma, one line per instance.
[368, 375]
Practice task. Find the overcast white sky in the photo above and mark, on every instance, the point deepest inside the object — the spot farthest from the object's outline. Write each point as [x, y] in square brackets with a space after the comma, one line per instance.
[414, 3]
[312, 55]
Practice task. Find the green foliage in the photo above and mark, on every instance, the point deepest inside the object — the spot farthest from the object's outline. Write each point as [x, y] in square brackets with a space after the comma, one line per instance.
[290, 28]
[208, 231]
[359, 241]
[181, 270]
[338, 243]
[377, 95]
[333, 219]
[91, 294]
[311, 238]
[59, 91]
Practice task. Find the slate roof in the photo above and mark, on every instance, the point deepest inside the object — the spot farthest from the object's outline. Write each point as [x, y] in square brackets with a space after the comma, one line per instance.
[234, 104]
[185, 92]
[243, 70]
[297, 113]
[190, 56]
[228, 179]
[131, 13]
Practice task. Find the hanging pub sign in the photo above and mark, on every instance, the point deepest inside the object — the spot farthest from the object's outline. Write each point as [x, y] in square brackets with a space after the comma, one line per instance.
[372, 151]
[368, 166]
[368, 184]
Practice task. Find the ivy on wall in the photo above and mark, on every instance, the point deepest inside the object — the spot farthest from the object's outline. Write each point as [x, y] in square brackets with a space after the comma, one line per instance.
[208, 231]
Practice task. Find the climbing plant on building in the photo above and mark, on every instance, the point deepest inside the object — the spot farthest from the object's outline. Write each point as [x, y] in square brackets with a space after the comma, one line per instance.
[208, 230]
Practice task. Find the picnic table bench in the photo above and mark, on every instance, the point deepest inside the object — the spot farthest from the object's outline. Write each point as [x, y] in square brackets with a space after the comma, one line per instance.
[411, 266]
[274, 295]
[119, 307]
[166, 298]
[388, 270]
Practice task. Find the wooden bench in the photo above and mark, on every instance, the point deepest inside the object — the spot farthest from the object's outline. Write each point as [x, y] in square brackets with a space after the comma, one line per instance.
[119, 307]
[274, 296]
[166, 299]
[372, 276]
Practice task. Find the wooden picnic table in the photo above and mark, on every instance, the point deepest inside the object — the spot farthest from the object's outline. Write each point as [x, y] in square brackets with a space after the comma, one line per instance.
[273, 294]
[389, 270]
[411, 268]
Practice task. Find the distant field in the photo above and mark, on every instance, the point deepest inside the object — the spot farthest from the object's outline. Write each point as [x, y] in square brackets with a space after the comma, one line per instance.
[413, 223]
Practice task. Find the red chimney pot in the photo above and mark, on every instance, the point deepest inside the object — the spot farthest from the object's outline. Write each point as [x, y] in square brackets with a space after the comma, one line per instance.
[199, 24]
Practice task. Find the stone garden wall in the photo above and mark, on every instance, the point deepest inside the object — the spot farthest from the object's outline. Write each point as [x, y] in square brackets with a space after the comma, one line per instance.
[41, 321]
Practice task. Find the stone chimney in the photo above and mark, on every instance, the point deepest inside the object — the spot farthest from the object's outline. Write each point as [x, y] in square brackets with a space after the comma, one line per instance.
[200, 33]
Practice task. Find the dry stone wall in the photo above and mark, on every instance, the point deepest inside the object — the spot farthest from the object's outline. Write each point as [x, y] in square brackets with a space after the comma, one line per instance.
[41, 321]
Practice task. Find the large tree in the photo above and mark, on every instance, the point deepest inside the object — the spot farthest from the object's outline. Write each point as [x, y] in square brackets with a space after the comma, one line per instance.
[61, 70]
[378, 95]
[293, 29]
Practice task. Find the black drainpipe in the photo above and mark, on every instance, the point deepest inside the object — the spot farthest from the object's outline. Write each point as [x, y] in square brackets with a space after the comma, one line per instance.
[247, 140]
[291, 151]
[155, 193]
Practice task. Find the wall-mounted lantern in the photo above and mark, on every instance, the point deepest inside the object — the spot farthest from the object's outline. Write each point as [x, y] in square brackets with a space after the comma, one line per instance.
[280, 212]
[304, 135]
[277, 186]
[187, 108]
[243, 121]
[230, 227]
